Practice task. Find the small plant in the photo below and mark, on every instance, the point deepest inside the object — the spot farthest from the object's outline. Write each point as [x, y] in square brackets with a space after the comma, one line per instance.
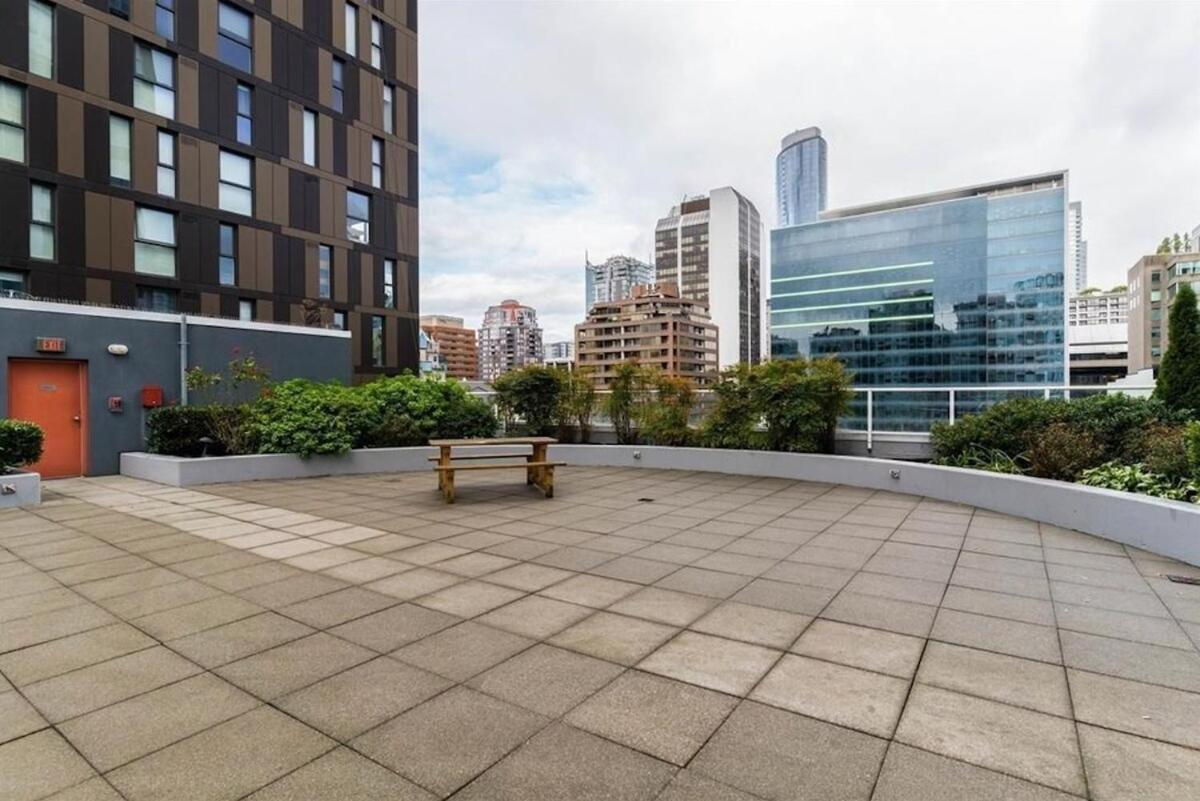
[992, 460]
[242, 373]
[663, 419]
[20, 444]
[531, 394]
[1136, 478]
[1062, 452]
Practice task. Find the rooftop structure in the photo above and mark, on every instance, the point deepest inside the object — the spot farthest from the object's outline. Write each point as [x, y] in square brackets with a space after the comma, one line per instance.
[614, 279]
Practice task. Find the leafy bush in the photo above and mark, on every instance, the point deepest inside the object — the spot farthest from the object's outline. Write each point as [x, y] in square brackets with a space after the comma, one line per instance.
[178, 431]
[1163, 449]
[409, 410]
[1136, 478]
[733, 422]
[303, 417]
[1178, 383]
[663, 420]
[531, 393]
[20, 443]
[626, 393]
[993, 461]
[800, 401]
[1114, 420]
[1192, 437]
[1062, 452]
[1003, 427]
[576, 403]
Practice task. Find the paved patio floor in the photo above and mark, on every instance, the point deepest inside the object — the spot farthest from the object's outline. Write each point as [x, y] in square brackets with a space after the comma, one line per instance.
[645, 634]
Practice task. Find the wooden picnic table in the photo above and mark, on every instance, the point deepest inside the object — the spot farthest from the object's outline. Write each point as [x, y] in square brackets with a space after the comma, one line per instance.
[539, 470]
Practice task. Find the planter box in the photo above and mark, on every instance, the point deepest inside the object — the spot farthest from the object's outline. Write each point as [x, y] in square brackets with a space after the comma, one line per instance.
[1170, 528]
[20, 489]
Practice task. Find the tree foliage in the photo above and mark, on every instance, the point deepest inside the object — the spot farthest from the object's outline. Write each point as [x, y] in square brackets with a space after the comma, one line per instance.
[20, 443]
[531, 394]
[1179, 375]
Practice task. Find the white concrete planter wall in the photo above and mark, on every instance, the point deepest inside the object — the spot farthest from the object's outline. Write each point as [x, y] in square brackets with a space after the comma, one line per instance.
[20, 489]
[1170, 528]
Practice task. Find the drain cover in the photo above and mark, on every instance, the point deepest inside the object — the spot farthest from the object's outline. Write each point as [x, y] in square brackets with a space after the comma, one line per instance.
[645, 500]
[1181, 579]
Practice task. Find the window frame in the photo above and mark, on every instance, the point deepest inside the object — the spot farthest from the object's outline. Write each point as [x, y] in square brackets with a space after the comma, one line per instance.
[21, 126]
[390, 297]
[50, 9]
[376, 163]
[243, 90]
[225, 259]
[156, 292]
[337, 80]
[309, 117]
[164, 8]
[389, 109]
[340, 321]
[378, 340]
[365, 239]
[351, 25]
[155, 245]
[154, 83]
[324, 272]
[377, 44]
[43, 224]
[243, 303]
[234, 39]
[126, 124]
[167, 167]
[232, 187]
[11, 276]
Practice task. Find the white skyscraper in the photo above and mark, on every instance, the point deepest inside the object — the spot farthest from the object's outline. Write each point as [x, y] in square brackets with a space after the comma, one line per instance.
[709, 247]
[1076, 278]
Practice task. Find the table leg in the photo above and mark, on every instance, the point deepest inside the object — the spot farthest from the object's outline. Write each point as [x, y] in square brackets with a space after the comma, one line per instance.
[443, 461]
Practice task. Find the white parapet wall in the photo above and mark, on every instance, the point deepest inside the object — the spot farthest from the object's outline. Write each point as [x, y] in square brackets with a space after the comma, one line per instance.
[1170, 528]
[20, 489]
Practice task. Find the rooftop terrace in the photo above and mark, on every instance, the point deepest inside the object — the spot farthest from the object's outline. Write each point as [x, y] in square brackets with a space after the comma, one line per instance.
[646, 634]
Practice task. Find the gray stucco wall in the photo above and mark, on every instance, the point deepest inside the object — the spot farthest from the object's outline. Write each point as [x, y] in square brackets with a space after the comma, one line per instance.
[153, 359]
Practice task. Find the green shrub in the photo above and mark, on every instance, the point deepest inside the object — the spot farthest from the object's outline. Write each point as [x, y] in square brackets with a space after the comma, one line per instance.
[627, 392]
[800, 401]
[177, 431]
[576, 404]
[1163, 449]
[733, 421]
[1116, 420]
[1136, 478]
[663, 420]
[20, 443]
[1192, 438]
[408, 410]
[1003, 427]
[993, 461]
[1178, 384]
[532, 394]
[307, 418]
[1061, 451]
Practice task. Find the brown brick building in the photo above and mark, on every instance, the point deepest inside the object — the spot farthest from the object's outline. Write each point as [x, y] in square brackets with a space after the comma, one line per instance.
[221, 157]
[456, 343]
[656, 328]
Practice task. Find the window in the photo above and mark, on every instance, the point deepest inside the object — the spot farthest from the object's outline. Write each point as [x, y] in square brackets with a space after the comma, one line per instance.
[119, 7]
[376, 340]
[245, 114]
[12, 282]
[41, 39]
[339, 317]
[310, 138]
[339, 77]
[166, 163]
[358, 217]
[389, 109]
[153, 80]
[234, 45]
[235, 193]
[164, 18]
[120, 135]
[245, 309]
[376, 162]
[352, 29]
[324, 270]
[41, 222]
[389, 283]
[158, 300]
[227, 265]
[154, 242]
[376, 44]
[12, 121]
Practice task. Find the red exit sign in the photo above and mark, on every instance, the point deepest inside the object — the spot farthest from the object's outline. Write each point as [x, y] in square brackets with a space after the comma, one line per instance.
[51, 345]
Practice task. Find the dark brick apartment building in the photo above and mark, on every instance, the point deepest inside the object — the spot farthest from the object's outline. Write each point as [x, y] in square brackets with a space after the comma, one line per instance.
[253, 159]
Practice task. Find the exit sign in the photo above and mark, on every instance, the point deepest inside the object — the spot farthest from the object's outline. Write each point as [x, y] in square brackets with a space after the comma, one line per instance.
[51, 345]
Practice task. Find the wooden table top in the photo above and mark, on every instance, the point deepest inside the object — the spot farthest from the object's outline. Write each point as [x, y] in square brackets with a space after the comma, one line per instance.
[453, 443]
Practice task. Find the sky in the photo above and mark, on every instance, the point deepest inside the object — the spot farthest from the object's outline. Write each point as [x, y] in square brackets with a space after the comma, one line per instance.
[553, 129]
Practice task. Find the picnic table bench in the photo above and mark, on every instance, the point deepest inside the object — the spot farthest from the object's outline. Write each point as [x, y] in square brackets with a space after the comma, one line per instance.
[539, 470]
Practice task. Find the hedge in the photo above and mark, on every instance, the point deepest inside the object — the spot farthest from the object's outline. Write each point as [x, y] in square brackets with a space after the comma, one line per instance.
[20, 444]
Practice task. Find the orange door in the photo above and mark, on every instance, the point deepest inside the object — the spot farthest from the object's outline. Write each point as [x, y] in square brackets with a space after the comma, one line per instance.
[51, 394]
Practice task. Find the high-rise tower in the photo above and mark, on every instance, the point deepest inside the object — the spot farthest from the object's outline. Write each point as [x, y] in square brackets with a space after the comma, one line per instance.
[800, 184]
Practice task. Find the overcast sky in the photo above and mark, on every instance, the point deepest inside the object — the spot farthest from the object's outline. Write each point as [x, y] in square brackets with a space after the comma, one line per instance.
[553, 128]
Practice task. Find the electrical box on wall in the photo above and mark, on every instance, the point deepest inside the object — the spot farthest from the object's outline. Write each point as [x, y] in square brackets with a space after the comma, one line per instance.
[116, 404]
[152, 397]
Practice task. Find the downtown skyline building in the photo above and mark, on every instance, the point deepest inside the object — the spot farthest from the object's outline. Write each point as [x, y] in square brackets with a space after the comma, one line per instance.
[613, 279]
[1098, 337]
[1154, 282]
[801, 185]
[1077, 272]
[710, 247]
[455, 343]
[958, 288]
[509, 338]
[225, 158]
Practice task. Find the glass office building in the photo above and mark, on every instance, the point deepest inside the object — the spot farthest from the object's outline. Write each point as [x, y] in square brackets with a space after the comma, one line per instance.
[800, 180]
[952, 289]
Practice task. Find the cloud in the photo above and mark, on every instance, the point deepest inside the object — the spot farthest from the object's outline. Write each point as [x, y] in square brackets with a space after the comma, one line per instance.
[551, 128]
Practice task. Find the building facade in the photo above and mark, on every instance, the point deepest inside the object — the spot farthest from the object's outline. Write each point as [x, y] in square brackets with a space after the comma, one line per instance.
[432, 363]
[1098, 337]
[228, 158]
[509, 338]
[1077, 274]
[561, 353]
[710, 248]
[656, 328]
[956, 288]
[614, 279]
[801, 188]
[455, 343]
[1154, 282]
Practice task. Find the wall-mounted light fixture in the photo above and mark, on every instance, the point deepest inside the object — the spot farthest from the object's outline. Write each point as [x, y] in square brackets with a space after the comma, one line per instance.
[116, 349]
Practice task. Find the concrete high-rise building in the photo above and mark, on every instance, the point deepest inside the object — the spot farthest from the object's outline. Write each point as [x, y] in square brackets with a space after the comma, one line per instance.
[614, 279]
[656, 328]
[801, 188]
[927, 291]
[1098, 337]
[253, 161]
[710, 248]
[455, 343]
[1154, 282]
[1077, 276]
[560, 353]
[509, 338]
